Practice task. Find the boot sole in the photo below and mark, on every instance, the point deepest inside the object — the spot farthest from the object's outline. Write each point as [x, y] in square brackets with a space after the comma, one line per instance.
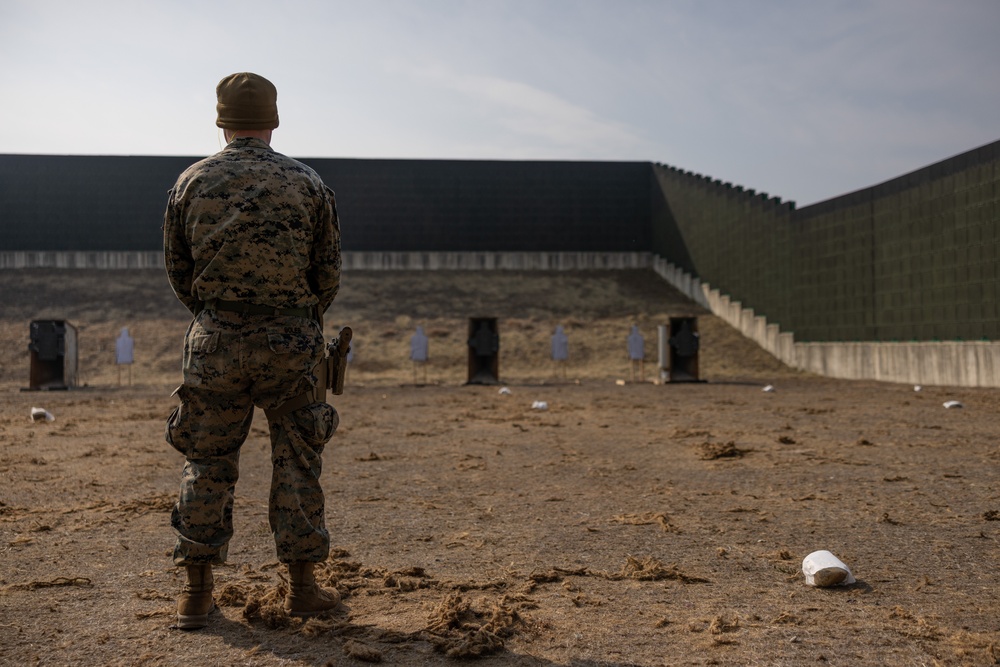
[194, 621]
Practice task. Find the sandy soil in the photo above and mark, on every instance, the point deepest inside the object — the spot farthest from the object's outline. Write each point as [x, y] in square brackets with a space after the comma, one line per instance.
[629, 523]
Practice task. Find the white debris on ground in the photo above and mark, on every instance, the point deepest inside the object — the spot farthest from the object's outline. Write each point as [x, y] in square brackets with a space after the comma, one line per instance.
[40, 414]
[822, 568]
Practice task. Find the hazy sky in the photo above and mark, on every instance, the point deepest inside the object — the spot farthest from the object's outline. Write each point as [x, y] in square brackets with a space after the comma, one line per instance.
[801, 99]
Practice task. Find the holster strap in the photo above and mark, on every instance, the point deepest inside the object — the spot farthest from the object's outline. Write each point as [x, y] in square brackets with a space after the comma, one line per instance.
[294, 403]
[316, 394]
[257, 309]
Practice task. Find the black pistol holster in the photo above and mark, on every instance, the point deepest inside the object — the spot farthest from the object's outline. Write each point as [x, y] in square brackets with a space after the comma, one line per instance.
[330, 374]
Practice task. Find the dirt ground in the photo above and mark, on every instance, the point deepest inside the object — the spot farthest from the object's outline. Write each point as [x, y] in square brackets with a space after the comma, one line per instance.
[631, 522]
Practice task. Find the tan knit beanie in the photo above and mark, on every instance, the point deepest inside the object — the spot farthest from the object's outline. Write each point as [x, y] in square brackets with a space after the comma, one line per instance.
[247, 101]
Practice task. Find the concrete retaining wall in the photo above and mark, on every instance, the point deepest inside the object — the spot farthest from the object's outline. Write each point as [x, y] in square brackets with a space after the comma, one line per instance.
[948, 363]
[914, 258]
[490, 261]
[81, 260]
[362, 261]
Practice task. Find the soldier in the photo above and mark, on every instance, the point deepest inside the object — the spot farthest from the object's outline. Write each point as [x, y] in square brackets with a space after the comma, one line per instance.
[251, 242]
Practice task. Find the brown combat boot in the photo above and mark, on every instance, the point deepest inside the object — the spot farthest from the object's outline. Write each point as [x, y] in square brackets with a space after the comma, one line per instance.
[305, 597]
[195, 602]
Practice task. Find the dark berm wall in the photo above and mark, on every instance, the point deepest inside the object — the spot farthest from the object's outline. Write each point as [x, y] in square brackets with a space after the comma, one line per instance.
[915, 258]
[66, 203]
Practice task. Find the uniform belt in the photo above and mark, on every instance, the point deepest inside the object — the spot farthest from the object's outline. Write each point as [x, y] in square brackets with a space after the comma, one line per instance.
[256, 309]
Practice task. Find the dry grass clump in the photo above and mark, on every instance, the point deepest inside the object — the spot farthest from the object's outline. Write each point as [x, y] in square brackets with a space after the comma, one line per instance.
[459, 630]
[710, 451]
[267, 607]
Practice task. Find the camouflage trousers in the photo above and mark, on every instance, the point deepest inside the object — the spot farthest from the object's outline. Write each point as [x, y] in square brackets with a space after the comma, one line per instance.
[232, 363]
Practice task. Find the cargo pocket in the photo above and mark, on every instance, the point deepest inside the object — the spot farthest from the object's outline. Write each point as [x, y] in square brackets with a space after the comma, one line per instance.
[295, 354]
[293, 342]
[177, 437]
[316, 424]
[198, 347]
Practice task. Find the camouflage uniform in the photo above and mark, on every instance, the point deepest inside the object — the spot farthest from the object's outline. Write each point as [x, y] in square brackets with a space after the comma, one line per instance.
[250, 226]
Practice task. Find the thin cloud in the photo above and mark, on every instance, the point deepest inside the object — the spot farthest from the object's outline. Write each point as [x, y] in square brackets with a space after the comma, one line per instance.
[531, 115]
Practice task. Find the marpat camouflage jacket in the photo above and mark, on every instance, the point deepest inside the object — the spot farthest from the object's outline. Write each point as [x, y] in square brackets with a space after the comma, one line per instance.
[249, 224]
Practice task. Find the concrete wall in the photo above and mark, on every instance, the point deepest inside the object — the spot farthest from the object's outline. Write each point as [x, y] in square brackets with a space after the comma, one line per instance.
[358, 261]
[108, 203]
[737, 238]
[914, 259]
[490, 206]
[84, 203]
[21, 259]
[947, 363]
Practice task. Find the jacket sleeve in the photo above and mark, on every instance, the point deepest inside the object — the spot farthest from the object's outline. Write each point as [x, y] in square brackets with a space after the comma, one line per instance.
[325, 264]
[177, 255]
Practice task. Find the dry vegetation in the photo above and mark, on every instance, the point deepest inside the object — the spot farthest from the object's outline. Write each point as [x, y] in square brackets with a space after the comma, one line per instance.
[627, 524]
